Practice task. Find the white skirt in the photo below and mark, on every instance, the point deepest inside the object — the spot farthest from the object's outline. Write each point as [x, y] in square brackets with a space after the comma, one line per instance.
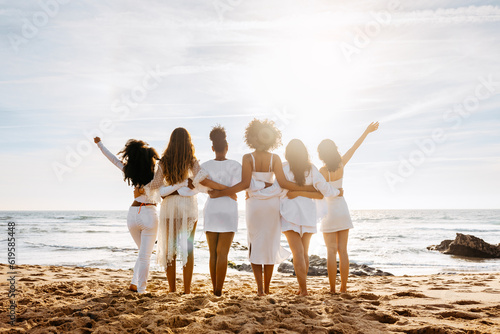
[337, 216]
[178, 214]
[264, 231]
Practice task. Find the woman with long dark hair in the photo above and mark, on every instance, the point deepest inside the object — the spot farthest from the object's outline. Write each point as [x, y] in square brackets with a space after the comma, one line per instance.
[138, 166]
[337, 222]
[179, 209]
[220, 214]
[263, 204]
[298, 210]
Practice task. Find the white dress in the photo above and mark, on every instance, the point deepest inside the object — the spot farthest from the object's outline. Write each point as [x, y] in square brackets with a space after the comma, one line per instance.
[220, 214]
[178, 214]
[263, 220]
[299, 214]
[336, 216]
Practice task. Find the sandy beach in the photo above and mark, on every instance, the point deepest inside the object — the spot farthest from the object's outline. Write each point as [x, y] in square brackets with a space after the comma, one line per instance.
[53, 299]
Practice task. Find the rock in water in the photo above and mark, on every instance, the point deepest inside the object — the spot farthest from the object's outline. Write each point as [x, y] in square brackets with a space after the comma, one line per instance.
[468, 245]
[318, 267]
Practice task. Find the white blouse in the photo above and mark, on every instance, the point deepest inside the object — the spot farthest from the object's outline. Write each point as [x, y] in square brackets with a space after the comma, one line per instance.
[302, 210]
[220, 214]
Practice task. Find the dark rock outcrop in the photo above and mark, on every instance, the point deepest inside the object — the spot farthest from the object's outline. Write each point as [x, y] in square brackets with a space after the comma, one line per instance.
[468, 245]
[317, 267]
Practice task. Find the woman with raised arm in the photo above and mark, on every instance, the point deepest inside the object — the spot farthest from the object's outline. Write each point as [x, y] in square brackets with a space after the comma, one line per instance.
[263, 204]
[179, 209]
[298, 210]
[138, 166]
[220, 214]
[337, 222]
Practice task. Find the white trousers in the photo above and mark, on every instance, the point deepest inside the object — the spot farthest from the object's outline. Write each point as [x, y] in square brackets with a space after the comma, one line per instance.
[142, 223]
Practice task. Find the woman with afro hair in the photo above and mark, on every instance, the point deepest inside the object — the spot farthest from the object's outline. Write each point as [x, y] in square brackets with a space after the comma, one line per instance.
[259, 169]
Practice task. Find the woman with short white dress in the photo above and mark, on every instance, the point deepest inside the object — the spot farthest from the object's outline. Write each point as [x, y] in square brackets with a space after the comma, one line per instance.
[263, 205]
[298, 209]
[337, 221]
[220, 214]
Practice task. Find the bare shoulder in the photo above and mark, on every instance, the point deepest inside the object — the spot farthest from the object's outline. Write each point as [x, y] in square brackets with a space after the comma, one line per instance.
[324, 171]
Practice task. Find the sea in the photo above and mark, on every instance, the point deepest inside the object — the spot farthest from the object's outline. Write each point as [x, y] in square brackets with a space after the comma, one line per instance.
[391, 240]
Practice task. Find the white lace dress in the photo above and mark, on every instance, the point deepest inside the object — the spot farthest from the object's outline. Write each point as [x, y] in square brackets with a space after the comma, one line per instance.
[178, 214]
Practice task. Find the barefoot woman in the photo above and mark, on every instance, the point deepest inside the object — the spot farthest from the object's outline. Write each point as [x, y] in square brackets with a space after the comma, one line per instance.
[220, 214]
[298, 210]
[179, 210]
[263, 204]
[335, 226]
[138, 166]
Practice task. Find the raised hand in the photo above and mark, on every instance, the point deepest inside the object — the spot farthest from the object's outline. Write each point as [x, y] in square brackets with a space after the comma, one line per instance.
[372, 127]
[97, 139]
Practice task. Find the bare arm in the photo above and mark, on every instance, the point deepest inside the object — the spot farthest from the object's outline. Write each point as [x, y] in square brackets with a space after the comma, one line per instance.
[212, 184]
[308, 194]
[281, 178]
[246, 178]
[371, 128]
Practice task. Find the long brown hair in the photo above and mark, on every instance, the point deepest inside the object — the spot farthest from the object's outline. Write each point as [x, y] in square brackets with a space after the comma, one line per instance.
[179, 156]
[298, 158]
[330, 155]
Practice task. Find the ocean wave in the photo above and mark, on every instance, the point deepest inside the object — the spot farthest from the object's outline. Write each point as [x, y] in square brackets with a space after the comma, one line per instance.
[72, 248]
[6, 218]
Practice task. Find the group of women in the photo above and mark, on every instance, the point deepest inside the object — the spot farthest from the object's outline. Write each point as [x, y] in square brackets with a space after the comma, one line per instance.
[280, 199]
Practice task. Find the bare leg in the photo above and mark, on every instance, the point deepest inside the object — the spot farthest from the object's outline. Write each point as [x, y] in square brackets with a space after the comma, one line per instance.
[331, 258]
[257, 272]
[299, 264]
[268, 274]
[212, 238]
[187, 271]
[342, 237]
[171, 275]
[223, 246]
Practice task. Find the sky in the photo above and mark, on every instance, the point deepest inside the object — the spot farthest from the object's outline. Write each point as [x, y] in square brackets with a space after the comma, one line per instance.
[427, 70]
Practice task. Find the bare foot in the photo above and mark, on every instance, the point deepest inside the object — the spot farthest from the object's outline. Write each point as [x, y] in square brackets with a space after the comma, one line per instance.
[218, 293]
[298, 292]
[304, 294]
[133, 287]
[260, 293]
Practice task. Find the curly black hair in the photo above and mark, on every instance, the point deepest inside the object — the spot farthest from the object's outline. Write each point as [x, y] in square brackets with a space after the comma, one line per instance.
[262, 135]
[218, 138]
[139, 160]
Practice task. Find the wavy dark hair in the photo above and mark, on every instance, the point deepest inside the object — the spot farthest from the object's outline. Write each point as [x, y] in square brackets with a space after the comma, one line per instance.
[218, 138]
[262, 135]
[330, 155]
[179, 157]
[139, 161]
[298, 158]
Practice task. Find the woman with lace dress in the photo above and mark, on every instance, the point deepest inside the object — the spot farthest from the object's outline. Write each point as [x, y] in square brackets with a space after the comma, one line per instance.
[337, 221]
[263, 204]
[179, 209]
